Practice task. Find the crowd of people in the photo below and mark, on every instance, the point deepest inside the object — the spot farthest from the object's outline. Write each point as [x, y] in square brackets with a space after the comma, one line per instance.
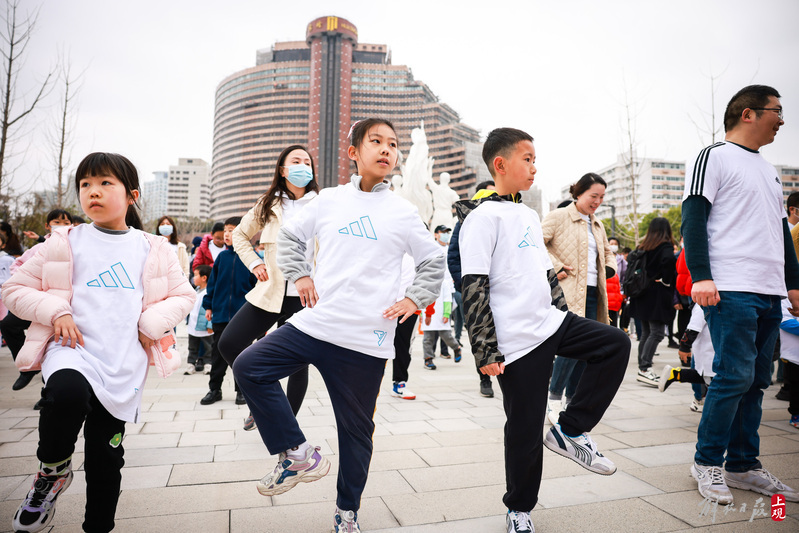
[548, 306]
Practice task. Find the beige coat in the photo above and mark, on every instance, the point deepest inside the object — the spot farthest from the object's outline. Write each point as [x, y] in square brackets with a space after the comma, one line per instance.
[566, 239]
[266, 295]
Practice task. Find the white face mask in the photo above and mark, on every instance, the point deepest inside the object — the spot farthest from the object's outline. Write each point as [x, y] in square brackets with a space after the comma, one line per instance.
[165, 230]
[614, 248]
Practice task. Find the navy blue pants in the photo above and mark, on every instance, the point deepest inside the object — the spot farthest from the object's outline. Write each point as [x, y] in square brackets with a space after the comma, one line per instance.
[352, 380]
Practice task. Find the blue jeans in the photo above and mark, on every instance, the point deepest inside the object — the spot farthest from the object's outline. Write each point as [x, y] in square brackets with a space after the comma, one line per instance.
[743, 328]
[566, 372]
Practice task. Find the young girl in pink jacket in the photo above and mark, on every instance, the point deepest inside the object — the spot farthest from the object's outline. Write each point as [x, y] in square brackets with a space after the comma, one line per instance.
[102, 299]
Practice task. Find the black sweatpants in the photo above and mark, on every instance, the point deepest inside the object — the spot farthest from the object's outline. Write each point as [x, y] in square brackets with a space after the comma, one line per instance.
[791, 376]
[218, 363]
[524, 384]
[68, 403]
[403, 338]
[250, 323]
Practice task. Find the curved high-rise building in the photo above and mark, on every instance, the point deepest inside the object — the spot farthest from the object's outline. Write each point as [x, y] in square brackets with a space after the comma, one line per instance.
[309, 92]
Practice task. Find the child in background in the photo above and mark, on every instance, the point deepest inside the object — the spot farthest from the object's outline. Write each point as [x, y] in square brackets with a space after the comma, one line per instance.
[347, 328]
[103, 299]
[210, 247]
[229, 283]
[696, 341]
[55, 218]
[12, 327]
[436, 324]
[200, 328]
[789, 353]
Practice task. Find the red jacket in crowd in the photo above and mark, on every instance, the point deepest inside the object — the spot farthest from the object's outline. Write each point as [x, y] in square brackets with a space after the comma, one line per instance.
[203, 255]
[684, 282]
[615, 297]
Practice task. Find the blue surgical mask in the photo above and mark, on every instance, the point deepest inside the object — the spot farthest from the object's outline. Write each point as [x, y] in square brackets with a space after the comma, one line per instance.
[165, 230]
[259, 253]
[300, 175]
[444, 237]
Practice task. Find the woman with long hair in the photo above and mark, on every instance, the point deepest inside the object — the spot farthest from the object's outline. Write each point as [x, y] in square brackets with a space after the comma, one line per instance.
[580, 253]
[272, 300]
[166, 227]
[654, 307]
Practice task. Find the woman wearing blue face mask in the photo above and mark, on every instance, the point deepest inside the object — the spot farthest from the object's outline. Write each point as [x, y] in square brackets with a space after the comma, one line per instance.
[166, 227]
[272, 300]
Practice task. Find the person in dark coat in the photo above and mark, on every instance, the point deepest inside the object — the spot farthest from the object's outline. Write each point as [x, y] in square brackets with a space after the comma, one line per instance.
[654, 307]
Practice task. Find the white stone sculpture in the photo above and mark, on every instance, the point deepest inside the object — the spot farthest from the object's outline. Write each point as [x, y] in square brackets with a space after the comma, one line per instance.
[443, 198]
[417, 172]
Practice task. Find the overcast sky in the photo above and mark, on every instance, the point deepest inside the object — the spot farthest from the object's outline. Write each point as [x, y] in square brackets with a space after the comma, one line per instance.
[559, 70]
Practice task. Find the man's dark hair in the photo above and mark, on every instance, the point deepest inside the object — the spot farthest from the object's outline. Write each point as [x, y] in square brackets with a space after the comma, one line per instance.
[485, 185]
[55, 214]
[203, 270]
[750, 97]
[793, 201]
[232, 221]
[218, 226]
[500, 142]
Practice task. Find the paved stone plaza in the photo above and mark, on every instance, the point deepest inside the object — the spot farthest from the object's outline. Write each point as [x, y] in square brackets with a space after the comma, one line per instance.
[437, 466]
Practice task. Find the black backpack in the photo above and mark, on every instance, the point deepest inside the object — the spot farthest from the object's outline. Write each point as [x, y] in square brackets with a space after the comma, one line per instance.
[636, 279]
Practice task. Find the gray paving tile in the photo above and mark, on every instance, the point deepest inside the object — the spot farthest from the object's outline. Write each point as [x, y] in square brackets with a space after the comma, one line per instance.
[647, 423]
[667, 454]
[440, 506]
[592, 488]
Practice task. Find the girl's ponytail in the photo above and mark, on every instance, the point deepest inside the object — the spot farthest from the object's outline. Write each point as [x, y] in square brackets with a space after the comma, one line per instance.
[132, 218]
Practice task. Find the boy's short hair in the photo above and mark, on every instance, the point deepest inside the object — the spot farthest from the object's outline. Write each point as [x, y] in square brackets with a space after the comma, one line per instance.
[77, 219]
[500, 142]
[203, 270]
[751, 96]
[218, 226]
[55, 214]
[232, 221]
[793, 200]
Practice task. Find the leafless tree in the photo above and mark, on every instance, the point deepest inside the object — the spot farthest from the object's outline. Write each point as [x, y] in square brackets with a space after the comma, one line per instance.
[15, 36]
[628, 156]
[61, 135]
[708, 124]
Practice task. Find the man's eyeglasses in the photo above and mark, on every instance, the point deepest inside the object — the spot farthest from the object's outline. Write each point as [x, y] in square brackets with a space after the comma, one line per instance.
[777, 110]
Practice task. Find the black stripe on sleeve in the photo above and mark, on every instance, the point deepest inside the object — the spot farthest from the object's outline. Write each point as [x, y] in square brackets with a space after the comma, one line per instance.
[700, 167]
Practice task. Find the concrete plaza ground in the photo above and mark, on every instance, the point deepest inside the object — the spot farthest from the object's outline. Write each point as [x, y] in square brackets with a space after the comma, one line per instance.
[437, 466]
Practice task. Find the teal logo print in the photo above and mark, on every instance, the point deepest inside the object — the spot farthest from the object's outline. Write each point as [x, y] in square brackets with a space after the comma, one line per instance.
[113, 278]
[360, 228]
[381, 336]
[527, 240]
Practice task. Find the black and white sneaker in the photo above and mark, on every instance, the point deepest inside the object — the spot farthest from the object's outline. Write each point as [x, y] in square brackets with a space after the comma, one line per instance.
[648, 377]
[519, 522]
[582, 450]
[38, 508]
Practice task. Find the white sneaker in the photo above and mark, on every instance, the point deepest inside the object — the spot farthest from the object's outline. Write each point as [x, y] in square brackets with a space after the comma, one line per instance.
[288, 472]
[189, 370]
[399, 390]
[761, 481]
[582, 450]
[345, 522]
[696, 405]
[711, 483]
[519, 522]
[207, 369]
[648, 378]
[554, 407]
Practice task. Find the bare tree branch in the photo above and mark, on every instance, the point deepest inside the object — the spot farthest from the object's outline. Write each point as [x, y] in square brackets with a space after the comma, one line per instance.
[15, 37]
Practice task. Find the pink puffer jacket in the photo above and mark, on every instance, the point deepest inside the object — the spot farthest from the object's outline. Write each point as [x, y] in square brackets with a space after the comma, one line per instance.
[41, 291]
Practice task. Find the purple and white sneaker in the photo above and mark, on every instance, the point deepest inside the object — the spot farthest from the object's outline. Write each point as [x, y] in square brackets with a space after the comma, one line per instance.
[289, 472]
[38, 508]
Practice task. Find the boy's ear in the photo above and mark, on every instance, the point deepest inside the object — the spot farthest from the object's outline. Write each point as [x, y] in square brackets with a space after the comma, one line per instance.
[499, 164]
[352, 153]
